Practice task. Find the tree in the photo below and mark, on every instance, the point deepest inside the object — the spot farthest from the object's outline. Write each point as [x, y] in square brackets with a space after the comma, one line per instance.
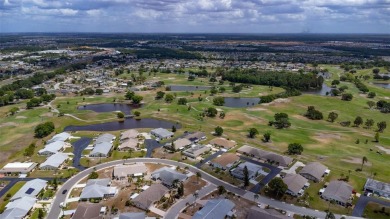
[237, 89]
[253, 132]
[335, 82]
[221, 190]
[346, 97]
[137, 99]
[332, 116]
[99, 91]
[129, 95]
[277, 187]
[219, 101]
[246, 176]
[329, 215]
[120, 115]
[180, 189]
[267, 136]
[369, 123]
[169, 98]
[41, 214]
[160, 95]
[93, 175]
[295, 148]
[218, 130]
[371, 94]
[313, 114]
[213, 80]
[13, 110]
[137, 113]
[281, 121]
[44, 129]
[182, 101]
[358, 121]
[376, 70]
[222, 115]
[364, 160]
[191, 78]
[211, 112]
[370, 104]
[381, 126]
[376, 137]
[198, 176]
[173, 128]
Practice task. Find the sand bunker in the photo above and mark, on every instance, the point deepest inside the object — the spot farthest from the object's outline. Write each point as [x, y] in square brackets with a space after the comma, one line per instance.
[356, 160]
[277, 101]
[20, 117]
[8, 124]
[387, 151]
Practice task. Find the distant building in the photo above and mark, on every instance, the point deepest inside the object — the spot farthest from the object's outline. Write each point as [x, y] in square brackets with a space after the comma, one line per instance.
[215, 209]
[338, 191]
[295, 184]
[161, 133]
[87, 211]
[223, 142]
[54, 161]
[31, 189]
[148, 197]
[167, 176]
[314, 171]
[196, 151]
[18, 168]
[129, 170]
[225, 161]
[266, 155]
[377, 187]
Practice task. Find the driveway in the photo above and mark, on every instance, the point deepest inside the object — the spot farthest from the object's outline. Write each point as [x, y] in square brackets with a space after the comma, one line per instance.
[363, 201]
[150, 145]
[216, 154]
[78, 147]
[274, 171]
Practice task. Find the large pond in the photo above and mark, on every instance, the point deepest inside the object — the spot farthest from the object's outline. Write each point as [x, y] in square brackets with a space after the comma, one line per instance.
[384, 85]
[240, 102]
[108, 107]
[322, 92]
[128, 123]
[188, 87]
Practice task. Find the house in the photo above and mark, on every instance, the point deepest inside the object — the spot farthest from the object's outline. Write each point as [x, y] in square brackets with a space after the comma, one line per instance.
[225, 161]
[295, 184]
[129, 170]
[161, 133]
[52, 148]
[377, 187]
[30, 189]
[314, 171]
[253, 170]
[129, 134]
[256, 213]
[338, 191]
[196, 136]
[59, 137]
[266, 155]
[101, 149]
[196, 151]
[128, 144]
[18, 208]
[223, 143]
[54, 161]
[168, 176]
[146, 198]
[18, 168]
[98, 189]
[87, 211]
[181, 143]
[215, 209]
[105, 138]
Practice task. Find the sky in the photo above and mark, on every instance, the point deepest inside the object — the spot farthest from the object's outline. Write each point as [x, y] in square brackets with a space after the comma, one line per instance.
[196, 16]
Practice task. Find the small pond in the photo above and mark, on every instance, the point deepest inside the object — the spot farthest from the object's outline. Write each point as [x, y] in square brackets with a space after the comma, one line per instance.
[240, 102]
[128, 123]
[322, 91]
[188, 87]
[108, 107]
[384, 85]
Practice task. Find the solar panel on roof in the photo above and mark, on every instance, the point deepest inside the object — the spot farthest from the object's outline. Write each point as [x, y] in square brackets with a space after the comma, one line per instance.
[30, 190]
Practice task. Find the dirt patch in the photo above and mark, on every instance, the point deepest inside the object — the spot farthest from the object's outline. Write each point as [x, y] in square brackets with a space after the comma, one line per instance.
[20, 117]
[277, 102]
[387, 151]
[326, 138]
[256, 109]
[356, 160]
[152, 167]
[192, 185]
[8, 124]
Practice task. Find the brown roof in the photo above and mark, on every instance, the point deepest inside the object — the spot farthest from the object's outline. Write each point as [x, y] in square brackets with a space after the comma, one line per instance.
[146, 198]
[315, 169]
[181, 142]
[87, 211]
[131, 133]
[295, 182]
[226, 159]
[265, 155]
[130, 143]
[223, 142]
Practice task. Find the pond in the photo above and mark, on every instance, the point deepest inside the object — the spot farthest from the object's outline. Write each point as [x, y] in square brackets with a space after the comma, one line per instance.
[188, 88]
[240, 102]
[128, 123]
[108, 107]
[322, 91]
[384, 85]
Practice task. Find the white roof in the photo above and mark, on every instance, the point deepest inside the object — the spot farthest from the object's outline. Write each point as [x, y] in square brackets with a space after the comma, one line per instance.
[18, 208]
[55, 160]
[161, 132]
[18, 165]
[53, 147]
[59, 137]
[30, 189]
[102, 148]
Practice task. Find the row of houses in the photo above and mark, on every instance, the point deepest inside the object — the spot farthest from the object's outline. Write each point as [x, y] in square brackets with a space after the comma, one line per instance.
[267, 156]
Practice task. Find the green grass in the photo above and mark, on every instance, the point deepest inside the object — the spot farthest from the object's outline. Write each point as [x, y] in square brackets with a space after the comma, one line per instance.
[374, 211]
[12, 192]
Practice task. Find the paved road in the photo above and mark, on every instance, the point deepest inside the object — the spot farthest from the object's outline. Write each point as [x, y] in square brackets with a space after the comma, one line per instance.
[68, 185]
[274, 171]
[78, 147]
[175, 209]
[363, 201]
[216, 154]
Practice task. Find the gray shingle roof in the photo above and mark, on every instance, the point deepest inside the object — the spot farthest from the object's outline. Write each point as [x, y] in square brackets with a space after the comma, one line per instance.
[215, 209]
[87, 211]
[295, 182]
[53, 147]
[265, 155]
[54, 160]
[96, 188]
[105, 138]
[315, 169]
[162, 133]
[101, 148]
[30, 189]
[339, 190]
[168, 175]
[146, 198]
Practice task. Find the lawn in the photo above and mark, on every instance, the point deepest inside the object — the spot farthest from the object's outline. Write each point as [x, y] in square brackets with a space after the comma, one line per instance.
[5, 199]
[376, 211]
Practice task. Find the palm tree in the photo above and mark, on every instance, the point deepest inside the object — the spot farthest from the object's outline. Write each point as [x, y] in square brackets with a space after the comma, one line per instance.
[331, 202]
[255, 197]
[130, 152]
[364, 160]
[88, 161]
[374, 175]
[198, 175]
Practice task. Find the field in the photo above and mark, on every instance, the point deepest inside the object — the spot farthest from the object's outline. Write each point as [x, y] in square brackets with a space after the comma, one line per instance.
[330, 143]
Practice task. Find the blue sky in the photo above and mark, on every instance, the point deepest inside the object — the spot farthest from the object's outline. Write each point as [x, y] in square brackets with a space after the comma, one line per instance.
[202, 16]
